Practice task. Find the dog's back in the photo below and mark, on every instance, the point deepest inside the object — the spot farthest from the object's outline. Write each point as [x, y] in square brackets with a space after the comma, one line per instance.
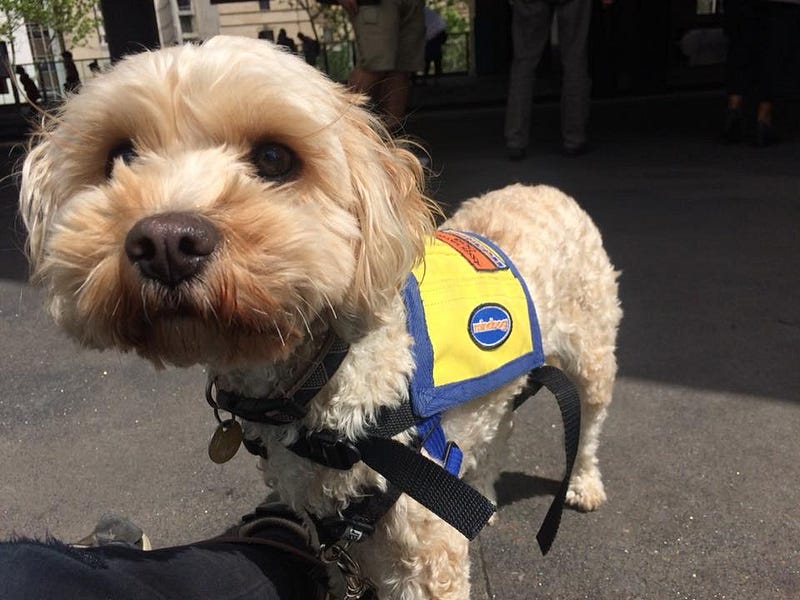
[558, 251]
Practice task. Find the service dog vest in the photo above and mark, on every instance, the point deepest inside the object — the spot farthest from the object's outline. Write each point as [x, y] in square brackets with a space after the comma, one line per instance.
[474, 329]
[472, 320]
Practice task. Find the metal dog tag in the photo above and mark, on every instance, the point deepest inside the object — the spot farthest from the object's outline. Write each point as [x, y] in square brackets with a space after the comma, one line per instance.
[226, 441]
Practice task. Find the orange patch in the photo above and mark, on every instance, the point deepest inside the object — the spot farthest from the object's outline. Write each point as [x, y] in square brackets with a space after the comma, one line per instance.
[478, 255]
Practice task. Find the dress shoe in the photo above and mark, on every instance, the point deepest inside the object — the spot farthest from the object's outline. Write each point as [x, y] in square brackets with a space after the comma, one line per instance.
[733, 126]
[576, 150]
[765, 134]
[515, 153]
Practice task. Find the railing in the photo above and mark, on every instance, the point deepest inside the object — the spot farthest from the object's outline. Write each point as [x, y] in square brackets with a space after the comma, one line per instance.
[49, 77]
[337, 60]
[341, 57]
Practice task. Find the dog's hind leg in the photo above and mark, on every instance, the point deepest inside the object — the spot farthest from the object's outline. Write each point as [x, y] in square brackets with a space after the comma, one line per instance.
[595, 380]
[491, 461]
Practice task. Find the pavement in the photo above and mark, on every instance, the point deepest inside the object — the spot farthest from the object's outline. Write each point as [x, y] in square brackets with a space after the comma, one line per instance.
[699, 452]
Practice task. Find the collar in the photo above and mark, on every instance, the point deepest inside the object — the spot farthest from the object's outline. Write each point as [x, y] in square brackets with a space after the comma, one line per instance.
[293, 405]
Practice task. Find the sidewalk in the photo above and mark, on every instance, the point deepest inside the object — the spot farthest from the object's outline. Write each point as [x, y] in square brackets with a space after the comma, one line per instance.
[699, 452]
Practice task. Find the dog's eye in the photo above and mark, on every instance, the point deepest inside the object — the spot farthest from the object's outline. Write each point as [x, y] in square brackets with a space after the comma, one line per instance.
[125, 151]
[274, 162]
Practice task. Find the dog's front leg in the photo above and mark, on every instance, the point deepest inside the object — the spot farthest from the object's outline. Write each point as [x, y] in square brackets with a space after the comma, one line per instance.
[414, 555]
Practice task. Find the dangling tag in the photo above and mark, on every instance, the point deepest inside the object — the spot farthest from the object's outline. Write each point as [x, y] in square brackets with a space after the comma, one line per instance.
[226, 441]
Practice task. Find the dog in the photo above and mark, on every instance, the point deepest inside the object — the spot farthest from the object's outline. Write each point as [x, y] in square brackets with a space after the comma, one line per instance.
[227, 205]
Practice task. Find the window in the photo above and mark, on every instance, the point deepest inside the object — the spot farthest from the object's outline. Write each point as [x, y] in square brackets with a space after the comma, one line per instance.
[187, 24]
[708, 7]
[263, 4]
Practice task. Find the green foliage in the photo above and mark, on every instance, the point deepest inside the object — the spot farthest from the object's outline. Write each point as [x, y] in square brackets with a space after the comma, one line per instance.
[14, 12]
[455, 53]
[73, 18]
[332, 28]
[454, 12]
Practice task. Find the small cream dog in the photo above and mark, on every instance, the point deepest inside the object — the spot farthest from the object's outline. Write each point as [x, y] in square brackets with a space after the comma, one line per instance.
[227, 205]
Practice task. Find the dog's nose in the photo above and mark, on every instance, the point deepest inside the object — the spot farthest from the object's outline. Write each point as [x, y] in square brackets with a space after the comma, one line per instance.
[171, 247]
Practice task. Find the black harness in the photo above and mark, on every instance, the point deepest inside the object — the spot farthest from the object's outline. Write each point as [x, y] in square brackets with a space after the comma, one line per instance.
[404, 467]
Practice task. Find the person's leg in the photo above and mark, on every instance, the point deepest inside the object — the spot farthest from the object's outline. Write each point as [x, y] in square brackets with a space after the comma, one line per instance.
[574, 18]
[410, 52]
[376, 30]
[779, 26]
[394, 90]
[737, 24]
[209, 570]
[365, 82]
[530, 30]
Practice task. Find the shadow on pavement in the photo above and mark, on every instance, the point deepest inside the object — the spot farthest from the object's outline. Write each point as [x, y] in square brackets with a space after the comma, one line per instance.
[514, 486]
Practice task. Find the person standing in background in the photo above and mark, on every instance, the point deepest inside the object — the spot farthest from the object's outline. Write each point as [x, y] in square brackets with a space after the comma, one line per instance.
[390, 45]
[761, 35]
[530, 28]
[435, 37]
[72, 81]
[285, 41]
[31, 91]
[310, 48]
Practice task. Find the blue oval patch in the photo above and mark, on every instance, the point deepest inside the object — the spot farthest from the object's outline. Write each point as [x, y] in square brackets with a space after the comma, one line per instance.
[489, 325]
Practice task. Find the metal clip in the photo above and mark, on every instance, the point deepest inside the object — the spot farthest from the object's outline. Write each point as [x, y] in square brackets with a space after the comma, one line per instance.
[357, 587]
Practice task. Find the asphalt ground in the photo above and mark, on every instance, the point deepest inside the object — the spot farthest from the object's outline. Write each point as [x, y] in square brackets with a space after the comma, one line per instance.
[700, 452]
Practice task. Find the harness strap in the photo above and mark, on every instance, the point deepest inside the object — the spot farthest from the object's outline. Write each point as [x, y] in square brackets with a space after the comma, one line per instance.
[447, 496]
[458, 503]
[285, 409]
[431, 485]
[570, 406]
[359, 519]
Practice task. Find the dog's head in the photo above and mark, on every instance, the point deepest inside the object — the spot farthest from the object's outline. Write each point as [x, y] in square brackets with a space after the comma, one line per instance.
[204, 204]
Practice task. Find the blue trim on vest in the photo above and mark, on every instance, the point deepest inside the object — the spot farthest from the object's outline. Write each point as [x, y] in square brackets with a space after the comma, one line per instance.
[435, 443]
[428, 400]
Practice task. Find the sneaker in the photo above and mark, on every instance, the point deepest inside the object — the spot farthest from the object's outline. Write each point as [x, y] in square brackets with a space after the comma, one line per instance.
[765, 135]
[733, 126]
[577, 150]
[277, 522]
[113, 529]
[515, 154]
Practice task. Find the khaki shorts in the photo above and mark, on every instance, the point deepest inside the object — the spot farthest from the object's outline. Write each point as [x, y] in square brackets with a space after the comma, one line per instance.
[390, 36]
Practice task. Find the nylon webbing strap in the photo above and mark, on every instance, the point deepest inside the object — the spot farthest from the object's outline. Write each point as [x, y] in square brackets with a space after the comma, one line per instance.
[447, 496]
[425, 481]
[569, 404]
[391, 421]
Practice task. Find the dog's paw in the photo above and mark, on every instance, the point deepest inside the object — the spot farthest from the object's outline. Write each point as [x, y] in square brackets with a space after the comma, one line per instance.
[493, 520]
[586, 492]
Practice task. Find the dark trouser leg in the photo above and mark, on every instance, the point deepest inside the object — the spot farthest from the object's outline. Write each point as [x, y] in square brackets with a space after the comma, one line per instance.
[530, 30]
[204, 571]
[574, 18]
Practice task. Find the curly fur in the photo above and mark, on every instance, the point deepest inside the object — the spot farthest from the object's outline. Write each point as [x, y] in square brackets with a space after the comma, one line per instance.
[328, 248]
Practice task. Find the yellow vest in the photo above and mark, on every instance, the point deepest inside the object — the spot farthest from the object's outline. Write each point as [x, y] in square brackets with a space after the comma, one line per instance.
[472, 319]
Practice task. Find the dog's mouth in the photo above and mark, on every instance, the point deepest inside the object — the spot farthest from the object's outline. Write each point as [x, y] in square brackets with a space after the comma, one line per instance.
[206, 319]
[171, 303]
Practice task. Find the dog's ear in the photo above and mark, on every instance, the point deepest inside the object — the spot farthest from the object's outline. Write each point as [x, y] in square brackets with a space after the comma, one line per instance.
[395, 217]
[38, 198]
